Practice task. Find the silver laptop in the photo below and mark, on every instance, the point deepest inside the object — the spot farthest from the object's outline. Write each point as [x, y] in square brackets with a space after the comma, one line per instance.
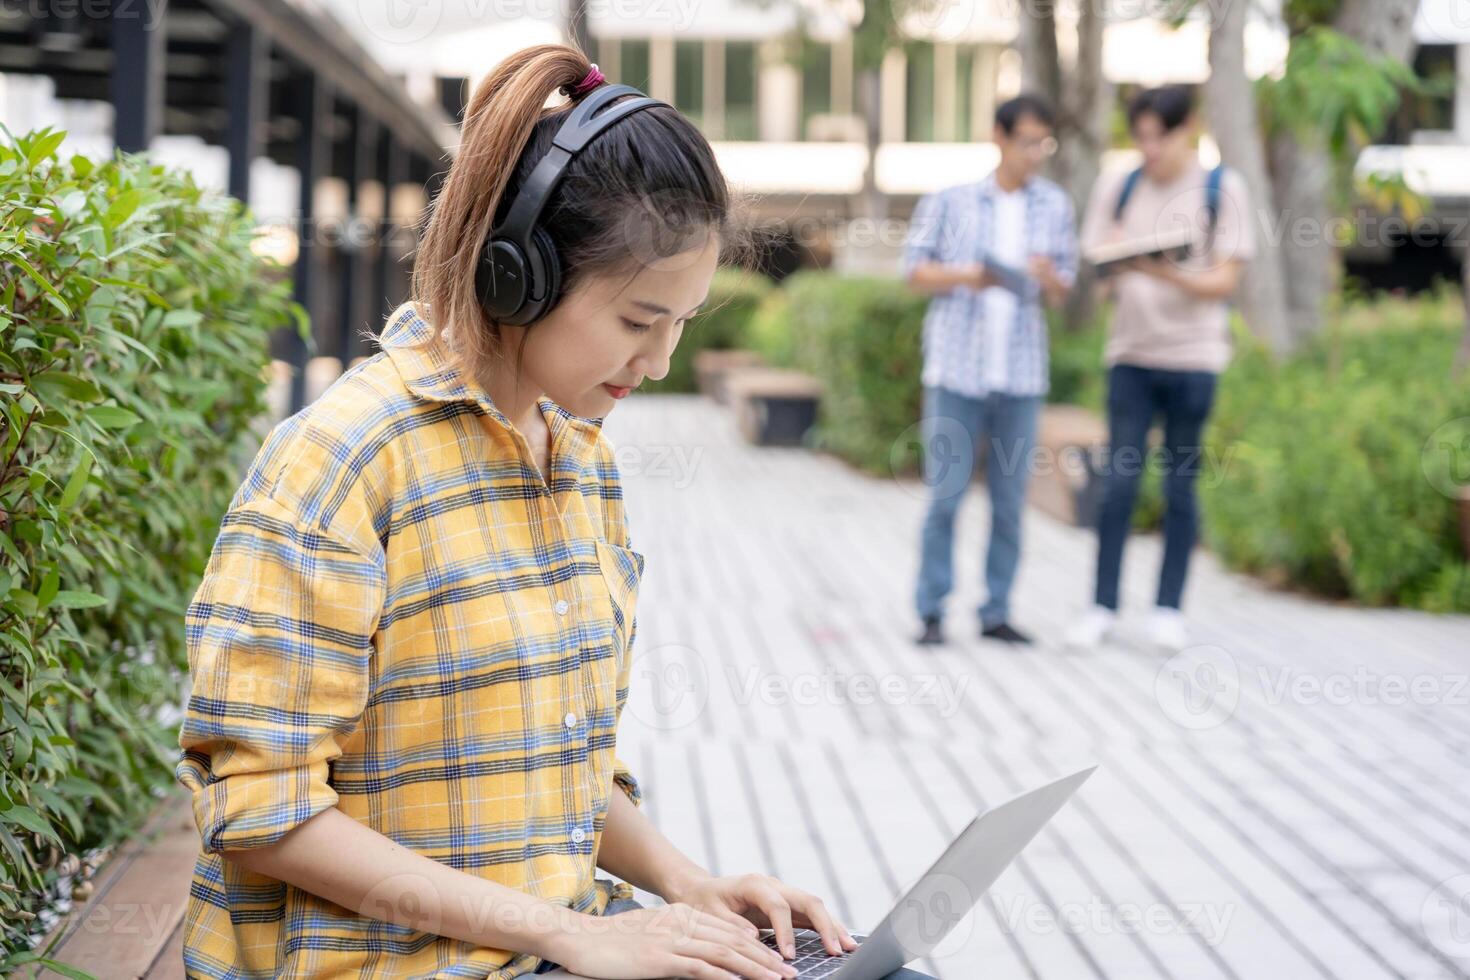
[943, 896]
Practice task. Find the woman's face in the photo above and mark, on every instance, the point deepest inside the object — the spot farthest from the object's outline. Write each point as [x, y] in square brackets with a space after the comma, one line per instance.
[610, 333]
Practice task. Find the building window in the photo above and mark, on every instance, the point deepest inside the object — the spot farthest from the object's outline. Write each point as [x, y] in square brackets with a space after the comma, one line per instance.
[740, 90]
[633, 67]
[919, 92]
[689, 79]
[816, 83]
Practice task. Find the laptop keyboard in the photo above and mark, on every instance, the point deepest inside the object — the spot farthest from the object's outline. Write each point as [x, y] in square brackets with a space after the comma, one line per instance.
[812, 959]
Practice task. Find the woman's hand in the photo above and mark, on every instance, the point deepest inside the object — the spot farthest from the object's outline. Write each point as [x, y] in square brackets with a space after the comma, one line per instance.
[766, 902]
[676, 940]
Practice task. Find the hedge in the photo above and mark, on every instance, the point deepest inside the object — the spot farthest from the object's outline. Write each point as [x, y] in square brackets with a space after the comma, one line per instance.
[724, 324]
[133, 350]
[1325, 485]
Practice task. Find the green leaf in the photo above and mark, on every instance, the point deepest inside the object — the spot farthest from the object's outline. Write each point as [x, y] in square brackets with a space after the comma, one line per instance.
[69, 385]
[182, 318]
[70, 599]
[76, 483]
[70, 972]
[122, 207]
[50, 585]
[24, 816]
[44, 146]
[30, 270]
[113, 416]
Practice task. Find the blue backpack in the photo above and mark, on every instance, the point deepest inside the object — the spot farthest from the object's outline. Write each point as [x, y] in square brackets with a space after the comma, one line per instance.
[1214, 190]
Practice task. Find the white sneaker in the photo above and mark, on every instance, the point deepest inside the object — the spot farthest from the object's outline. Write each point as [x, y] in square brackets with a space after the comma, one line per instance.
[1166, 629]
[1095, 626]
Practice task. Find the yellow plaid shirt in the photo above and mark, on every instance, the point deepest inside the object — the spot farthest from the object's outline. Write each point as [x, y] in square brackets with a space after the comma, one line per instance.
[401, 619]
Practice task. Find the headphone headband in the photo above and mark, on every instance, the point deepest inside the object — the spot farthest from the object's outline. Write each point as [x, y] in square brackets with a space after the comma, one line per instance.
[579, 129]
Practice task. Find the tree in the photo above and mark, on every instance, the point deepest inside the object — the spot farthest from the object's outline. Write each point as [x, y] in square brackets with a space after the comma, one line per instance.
[1084, 101]
[1236, 125]
[1346, 69]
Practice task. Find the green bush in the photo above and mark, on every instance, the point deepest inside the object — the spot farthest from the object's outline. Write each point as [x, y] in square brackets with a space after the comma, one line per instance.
[724, 324]
[861, 337]
[133, 345]
[1324, 485]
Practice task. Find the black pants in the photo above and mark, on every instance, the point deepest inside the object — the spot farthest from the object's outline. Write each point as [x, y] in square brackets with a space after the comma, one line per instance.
[1136, 396]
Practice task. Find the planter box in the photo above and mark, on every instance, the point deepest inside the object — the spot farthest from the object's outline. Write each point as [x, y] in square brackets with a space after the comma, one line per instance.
[774, 406]
[1072, 443]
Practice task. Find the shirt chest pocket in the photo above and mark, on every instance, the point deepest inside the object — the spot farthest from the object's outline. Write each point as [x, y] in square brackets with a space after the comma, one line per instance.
[614, 597]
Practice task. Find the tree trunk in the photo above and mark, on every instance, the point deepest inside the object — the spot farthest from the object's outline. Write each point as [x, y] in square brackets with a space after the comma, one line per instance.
[872, 203]
[1041, 63]
[1303, 173]
[1300, 229]
[1383, 27]
[1233, 120]
[1086, 101]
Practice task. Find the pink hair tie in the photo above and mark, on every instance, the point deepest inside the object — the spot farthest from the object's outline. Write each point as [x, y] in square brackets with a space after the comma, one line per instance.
[594, 78]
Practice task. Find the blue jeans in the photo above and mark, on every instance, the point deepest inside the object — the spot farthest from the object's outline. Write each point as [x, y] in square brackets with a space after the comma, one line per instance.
[627, 905]
[1136, 395]
[957, 431]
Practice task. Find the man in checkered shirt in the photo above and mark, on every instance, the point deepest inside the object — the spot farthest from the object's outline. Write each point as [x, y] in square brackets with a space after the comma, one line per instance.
[991, 254]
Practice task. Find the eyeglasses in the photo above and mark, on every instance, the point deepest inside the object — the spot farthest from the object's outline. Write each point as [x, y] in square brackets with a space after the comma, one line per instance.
[1045, 147]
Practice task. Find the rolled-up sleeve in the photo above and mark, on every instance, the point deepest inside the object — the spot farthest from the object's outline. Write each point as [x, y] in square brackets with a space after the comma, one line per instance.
[925, 230]
[279, 638]
[623, 776]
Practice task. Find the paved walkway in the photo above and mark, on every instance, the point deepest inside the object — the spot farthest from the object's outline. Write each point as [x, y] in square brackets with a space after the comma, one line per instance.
[1291, 798]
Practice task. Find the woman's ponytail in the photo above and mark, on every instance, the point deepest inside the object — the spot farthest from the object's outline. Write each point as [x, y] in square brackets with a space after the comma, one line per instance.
[498, 122]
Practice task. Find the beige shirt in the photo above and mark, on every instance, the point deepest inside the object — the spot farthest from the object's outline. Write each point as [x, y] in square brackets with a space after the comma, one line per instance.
[1157, 324]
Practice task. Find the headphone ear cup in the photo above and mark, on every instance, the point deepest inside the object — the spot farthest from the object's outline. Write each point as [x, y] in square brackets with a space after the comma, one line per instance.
[551, 263]
[503, 280]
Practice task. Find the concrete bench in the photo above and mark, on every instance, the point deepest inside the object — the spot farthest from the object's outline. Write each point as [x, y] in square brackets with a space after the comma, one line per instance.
[712, 368]
[1070, 440]
[773, 406]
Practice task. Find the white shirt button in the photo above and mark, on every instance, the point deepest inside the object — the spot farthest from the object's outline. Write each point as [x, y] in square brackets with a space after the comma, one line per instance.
[578, 835]
[561, 607]
[570, 720]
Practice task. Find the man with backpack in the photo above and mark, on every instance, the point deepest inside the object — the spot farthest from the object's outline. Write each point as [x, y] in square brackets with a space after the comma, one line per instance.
[1168, 341]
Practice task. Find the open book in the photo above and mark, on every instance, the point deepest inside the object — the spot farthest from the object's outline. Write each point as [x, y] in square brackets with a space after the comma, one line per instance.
[1175, 245]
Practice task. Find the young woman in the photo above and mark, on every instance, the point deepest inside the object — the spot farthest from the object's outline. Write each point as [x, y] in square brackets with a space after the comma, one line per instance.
[413, 638]
[1167, 345]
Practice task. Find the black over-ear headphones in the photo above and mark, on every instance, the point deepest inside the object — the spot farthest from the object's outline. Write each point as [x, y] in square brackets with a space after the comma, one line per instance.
[519, 274]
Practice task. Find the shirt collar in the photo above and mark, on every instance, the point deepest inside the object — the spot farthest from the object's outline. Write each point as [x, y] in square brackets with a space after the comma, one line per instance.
[430, 370]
